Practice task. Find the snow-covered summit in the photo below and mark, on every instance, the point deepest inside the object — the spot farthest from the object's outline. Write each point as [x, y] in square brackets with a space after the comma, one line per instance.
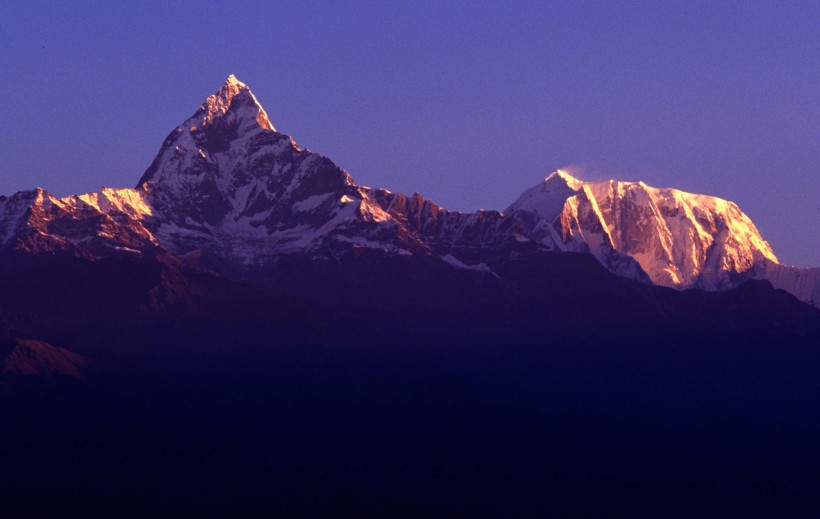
[679, 239]
[546, 200]
[234, 95]
[228, 184]
[564, 177]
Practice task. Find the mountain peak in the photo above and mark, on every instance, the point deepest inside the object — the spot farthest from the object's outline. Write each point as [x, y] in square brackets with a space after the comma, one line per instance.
[679, 239]
[230, 89]
[233, 81]
[235, 97]
[563, 175]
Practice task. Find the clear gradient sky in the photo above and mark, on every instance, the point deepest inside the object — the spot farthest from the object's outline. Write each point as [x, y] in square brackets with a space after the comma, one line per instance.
[468, 103]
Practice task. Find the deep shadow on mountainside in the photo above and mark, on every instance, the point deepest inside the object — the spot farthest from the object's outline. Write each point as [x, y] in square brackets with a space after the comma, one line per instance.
[382, 384]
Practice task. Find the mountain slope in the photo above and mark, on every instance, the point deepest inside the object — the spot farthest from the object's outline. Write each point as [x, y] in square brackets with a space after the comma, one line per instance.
[230, 193]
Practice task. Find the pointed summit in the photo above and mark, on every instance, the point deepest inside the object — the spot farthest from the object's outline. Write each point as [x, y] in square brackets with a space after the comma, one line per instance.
[226, 164]
[546, 199]
[228, 118]
[564, 176]
[234, 96]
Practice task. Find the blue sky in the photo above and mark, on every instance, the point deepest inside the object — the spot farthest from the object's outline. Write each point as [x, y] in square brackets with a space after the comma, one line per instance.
[468, 103]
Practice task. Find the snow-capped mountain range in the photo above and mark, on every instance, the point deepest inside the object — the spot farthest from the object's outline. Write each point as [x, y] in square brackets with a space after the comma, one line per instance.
[229, 192]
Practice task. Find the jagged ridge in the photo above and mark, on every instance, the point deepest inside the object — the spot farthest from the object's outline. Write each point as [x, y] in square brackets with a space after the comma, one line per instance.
[227, 185]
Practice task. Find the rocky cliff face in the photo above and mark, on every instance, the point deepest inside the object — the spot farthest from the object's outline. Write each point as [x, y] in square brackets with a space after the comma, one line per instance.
[227, 186]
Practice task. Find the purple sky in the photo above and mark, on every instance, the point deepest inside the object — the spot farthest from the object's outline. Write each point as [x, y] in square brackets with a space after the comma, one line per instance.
[468, 103]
